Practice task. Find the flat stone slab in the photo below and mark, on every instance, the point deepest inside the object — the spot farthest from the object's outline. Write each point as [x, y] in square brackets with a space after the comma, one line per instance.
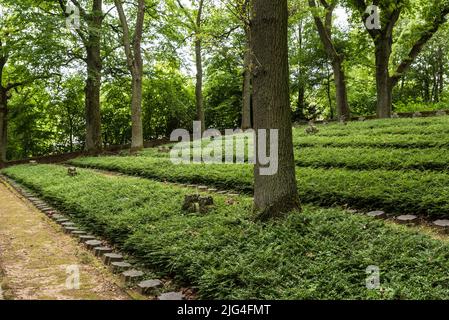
[78, 233]
[120, 266]
[377, 214]
[233, 194]
[443, 224]
[222, 192]
[171, 296]
[70, 229]
[91, 244]
[149, 286]
[62, 220]
[57, 216]
[202, 188]
[191, 186]
[68, 224]
[100, 251]
[407, 218]
[131, 276]
[85, 238]
[108, 258]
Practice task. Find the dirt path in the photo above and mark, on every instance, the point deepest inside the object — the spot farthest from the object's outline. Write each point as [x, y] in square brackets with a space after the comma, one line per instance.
[37, 259]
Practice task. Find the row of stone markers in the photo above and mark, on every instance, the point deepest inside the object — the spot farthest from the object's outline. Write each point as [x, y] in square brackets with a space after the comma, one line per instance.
[128, 275]
[410, 219]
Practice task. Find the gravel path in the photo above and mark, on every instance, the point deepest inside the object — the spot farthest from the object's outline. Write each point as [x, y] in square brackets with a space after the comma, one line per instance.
[38, 261]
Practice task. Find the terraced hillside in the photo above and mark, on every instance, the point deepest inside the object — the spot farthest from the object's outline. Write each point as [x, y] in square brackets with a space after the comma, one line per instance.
[399, 165]
[320, 253]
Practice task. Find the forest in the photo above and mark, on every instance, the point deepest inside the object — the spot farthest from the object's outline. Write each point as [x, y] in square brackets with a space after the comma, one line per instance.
[224, 150]
[67, 89]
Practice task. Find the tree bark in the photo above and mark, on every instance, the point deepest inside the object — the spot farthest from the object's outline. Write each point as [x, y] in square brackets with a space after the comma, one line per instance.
[3, 124]
[301, 102]
[341, 90]
[93, 81]
[383, 81]
[135, 65]
[247, 90]
[199, 68]
[276, 194]
[325, 32]
[328, 91]
[440, 72]
[383, 42]
[136, 110]
[3, 110]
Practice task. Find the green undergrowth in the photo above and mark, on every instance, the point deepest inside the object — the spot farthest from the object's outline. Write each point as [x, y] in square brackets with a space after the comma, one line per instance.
[358, 158]
[395, 191]
[316, 254]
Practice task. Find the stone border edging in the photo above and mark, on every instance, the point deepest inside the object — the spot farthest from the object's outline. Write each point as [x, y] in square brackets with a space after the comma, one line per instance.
[115, 261]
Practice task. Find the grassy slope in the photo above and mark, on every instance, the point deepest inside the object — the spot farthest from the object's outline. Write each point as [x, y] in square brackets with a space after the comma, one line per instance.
[321, 253]
[395, 191]
[346, 165]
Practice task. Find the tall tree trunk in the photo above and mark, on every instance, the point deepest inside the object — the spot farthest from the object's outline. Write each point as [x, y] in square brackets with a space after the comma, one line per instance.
[301, 102]
[137, 78]
[440, 71]
[274, 194]
[136, 111]
[92, 43]
[135, 66]
[383, 81]
[341, 91]
[199, 69]
[71, 131]
[328, 91]
[3, 125]
[92, 94]
[247, 90]
[325, 33]
[426, 89]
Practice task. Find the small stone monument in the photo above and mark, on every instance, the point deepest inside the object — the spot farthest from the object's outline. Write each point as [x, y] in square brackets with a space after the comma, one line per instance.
[71, 171]
[407, 219]
[311, 129]
[197, 203]
[120, 266]
[417, 114]
[377, 214]
[33, 162]
[131, 275]
[343, 120]
[440, 113]
[442, 224]
[395, 115]
[149, 286]
[362, 119]
[100, 251]
[91, 244]
[108, 258]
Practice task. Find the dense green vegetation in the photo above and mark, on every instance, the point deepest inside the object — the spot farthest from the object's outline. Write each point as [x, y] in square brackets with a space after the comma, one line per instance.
[102, 75]
[46, 105]
[319, 254]
[401, 179]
